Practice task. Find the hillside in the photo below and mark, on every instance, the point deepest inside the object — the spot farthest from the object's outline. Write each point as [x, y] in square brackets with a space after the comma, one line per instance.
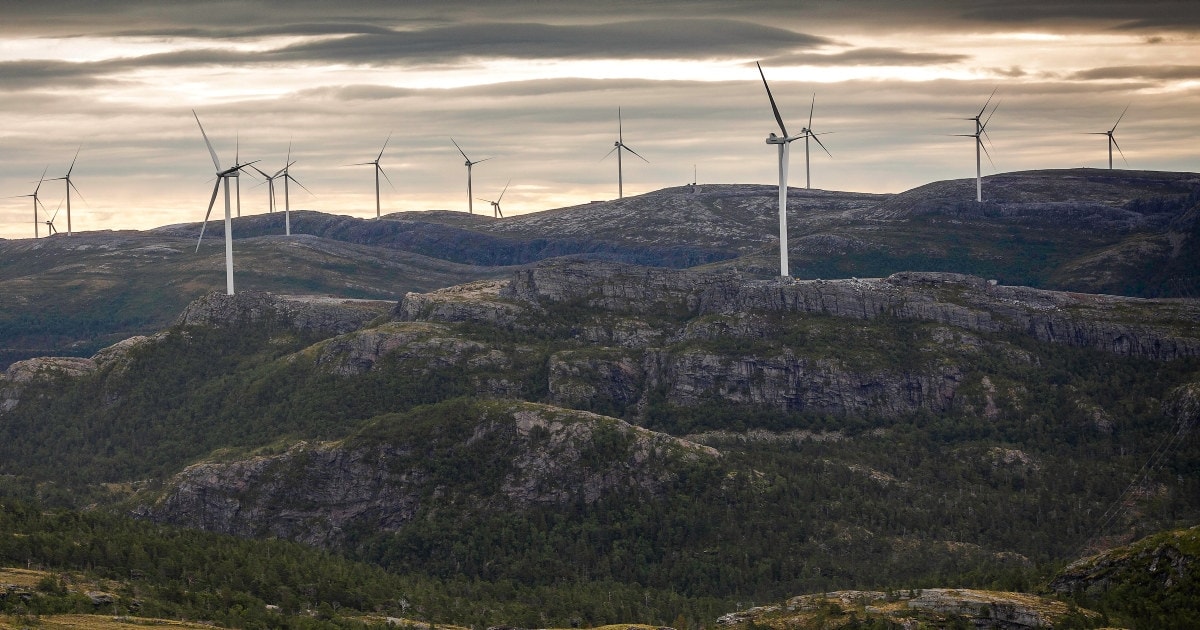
[900, 431]
[1119, 232]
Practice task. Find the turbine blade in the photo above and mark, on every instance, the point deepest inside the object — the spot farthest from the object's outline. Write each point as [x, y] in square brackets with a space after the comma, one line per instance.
[269, 178]
[384, 173]
[814, 137]
[811, 106]
[1120, 151]
[1114, 127]
[989, 118]
[635, 153]
[72, 185]
[77, 157]
[297, 182]
[503, 191]
[211, 151]
[212, 201]
[40, 180]
[464, 153]
[774, 108]
[377, 158]
[620, 127]
[989, 100]
[989, 155]
[610, 152]
[483, 160]
[55, 215]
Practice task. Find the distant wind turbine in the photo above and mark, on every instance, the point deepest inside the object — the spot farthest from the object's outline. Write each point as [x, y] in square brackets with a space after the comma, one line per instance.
[70, 185]
[469, 164]
[496, 204]
[270, 182]
[378, 171]
[1113, 141]
[223, 175]
[50, 229]
[37, 201]
[618, 146]
[783, 142]
[979, 135]
[287, 204]
[808, 133]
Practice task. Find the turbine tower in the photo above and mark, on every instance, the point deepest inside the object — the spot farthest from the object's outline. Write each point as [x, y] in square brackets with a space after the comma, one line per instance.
[783, 142]
[287, 204]
[808, 133]
[618, 146]
[1113, 141]
[496, 204]
[36, 201]
[70, 185]
[979, 135]
[469, 164]
[223, 175]
[378, 170]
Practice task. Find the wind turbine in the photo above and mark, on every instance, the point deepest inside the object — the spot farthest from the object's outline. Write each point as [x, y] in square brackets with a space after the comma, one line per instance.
[618, 146]
[50, 229]
[36, 202]
[808, 133]
[496, 204]
[270, 187]
[287, 206]
[1111, 140]
[223, 175]
[469, 164]
[70, 185]
[979, 135]
[783, 142]
[378, 170]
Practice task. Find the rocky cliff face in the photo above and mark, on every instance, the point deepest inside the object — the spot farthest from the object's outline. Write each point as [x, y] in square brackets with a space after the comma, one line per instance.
[1158, 329]
[329, 316]
[534, 455]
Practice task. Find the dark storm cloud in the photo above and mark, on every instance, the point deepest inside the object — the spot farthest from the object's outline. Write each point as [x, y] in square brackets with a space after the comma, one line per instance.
[866, 57]
[1151, 73]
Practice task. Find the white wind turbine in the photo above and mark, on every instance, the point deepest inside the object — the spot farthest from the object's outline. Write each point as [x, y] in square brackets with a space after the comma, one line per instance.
[808, 133]
[36, 202]
[783, 142]
[70, 185]
[618, 146]
[50, 229]
[979, 135]
[496, 204]
[1113, 141]
[223, 175]
[287, 204]
[378, 170]
[270, 187]
[469, 164]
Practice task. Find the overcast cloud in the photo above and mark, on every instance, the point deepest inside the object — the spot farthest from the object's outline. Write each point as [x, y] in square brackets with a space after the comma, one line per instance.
[537, 85]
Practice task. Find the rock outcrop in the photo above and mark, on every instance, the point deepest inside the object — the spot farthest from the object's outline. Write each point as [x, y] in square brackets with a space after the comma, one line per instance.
[1156, 329]
[930, 607]
[529, 454]
[327, 316]
[19, 375]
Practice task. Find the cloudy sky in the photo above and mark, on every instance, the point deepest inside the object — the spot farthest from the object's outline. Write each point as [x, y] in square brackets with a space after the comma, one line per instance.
[536, 85]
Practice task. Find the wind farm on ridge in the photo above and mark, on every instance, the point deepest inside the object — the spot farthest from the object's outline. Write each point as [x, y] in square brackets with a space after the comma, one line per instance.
[233, 172]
